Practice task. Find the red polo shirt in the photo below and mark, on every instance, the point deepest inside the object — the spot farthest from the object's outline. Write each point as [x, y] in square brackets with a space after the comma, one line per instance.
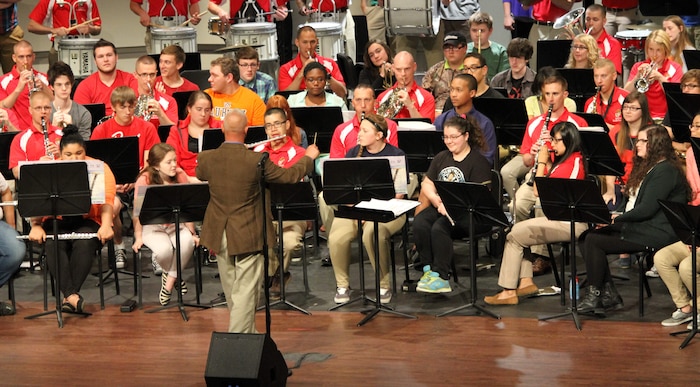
[422, 99]
[289, 71]
[612, 114]
[8, 84]
[610, 48]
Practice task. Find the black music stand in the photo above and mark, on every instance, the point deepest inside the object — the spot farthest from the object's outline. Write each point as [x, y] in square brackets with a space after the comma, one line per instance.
[350, 181]
[573, 201]
[5, 143]
[181, 98]
[470, 204]
[685, 220]
[420, 147]
[255, 134]
[163, 132]
[122, 156]
[509, 117]
[54, 189]
[593, 119]
[411, 119]
[681, 110]
[692, 59]
[319, 120]
[600, 154]
[552, 53]
[175, 203]
[97, 111]
[581, 85]
[290, 202]
[212, 138]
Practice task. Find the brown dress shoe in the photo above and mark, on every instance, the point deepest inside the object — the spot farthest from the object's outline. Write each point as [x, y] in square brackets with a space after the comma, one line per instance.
[494, 300]
[528, 290]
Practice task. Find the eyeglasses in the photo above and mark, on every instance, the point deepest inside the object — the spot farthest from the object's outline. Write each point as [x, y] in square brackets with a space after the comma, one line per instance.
[556, 140]
[689, 86]
[148, 75]
[577, 47]
[451, 48]
[275, 125]
[472, 68]
[452, 138]
[248, 65]
[631, 108]
[42, 108]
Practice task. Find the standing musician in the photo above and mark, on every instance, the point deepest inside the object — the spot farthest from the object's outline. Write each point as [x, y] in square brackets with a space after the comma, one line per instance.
[166, 12]
[291, 74]
[648, 75]
[171, 60]
[545, 12]
[246, 11]
[233, 222]
[620, 14]
[65, 111]
[227, 94]
[609, 98]
[609, 47]
[160, 108]
[30, 144]
[332, 11]
[76, 255]
[56, 17]
[415, 101]
[23, 80]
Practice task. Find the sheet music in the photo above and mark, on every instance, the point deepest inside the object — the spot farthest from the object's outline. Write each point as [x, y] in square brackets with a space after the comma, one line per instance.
[396, 206]
[139, 194]
[96, 176]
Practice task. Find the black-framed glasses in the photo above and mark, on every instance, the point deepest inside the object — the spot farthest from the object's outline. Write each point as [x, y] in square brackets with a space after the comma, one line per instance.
[452, 138]
[275, 125]
[631, 108]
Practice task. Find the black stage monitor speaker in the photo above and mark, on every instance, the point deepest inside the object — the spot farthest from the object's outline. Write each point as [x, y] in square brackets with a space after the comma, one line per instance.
[237, 359]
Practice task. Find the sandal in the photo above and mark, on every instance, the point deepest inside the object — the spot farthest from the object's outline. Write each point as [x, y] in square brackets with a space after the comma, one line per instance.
[183, 287]
[67, 307]
[164, 296]
[80, 305]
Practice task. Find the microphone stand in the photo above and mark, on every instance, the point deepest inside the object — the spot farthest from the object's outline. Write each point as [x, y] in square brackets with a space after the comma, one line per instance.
[266, 256]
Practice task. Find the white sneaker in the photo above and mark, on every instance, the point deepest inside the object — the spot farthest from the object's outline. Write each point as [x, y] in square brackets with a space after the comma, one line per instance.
[677, 318]
[157, 270]
[652, 273]
[120, 258]
[385, 295]
[342, 295]
[690, 325]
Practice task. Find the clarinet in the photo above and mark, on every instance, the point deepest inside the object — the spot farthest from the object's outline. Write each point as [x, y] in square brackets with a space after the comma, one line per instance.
[47, 142]
[540, 142]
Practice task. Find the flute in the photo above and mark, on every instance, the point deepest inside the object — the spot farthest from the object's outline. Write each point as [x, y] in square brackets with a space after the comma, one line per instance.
[253, 145]
[69, 236]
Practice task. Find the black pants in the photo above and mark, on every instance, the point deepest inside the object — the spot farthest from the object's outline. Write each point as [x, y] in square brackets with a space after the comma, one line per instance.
[597, 244]
[75, 256]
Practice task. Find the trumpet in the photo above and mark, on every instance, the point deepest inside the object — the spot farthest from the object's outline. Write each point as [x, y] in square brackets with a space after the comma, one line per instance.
[388, 77]
[642, 84]
[31, 86]
[47, 142]
[541, 142]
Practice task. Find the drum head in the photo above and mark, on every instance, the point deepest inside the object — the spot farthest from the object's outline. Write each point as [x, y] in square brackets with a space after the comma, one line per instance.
[632, 34]
[253, 26]
[324, 26]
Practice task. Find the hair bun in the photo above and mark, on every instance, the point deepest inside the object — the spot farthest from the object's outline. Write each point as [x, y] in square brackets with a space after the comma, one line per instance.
[70, 129]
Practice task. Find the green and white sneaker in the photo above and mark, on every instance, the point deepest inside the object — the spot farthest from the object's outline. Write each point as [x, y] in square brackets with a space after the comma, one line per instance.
[435, 284]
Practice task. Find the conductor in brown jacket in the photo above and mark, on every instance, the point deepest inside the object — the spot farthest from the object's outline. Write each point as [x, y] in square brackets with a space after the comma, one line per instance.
[232, 225]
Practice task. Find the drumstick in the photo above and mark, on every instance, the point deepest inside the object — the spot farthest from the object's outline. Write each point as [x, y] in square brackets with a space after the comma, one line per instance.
[315, 136]
[79, 25]
[155, 25]
[192, 18]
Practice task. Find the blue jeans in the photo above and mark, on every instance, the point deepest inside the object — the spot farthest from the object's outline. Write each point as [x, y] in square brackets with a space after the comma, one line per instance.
[11, 252]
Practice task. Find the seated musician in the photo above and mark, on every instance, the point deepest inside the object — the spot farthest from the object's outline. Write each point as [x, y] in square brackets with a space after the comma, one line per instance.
[171, 60]
[432, 229]
[475, 64]
[371, 143]
[63, 109]
[297, 133]
[11, 249]
[315, 94]
[583, 54]
[480, 30]
[609, 47]
[438, 77]
[291, 74]
[377, 70]
[283, 153]
[608, 100]
[160, 108]
[226, 94]
[262, 84]
[657, 175]
[567, 163]
[414, 100]
[185, 138]
[519, 79]
[160, 238]
[462, 91]
[124, 124]
[673, 262]
[75, 256]
[536, 105]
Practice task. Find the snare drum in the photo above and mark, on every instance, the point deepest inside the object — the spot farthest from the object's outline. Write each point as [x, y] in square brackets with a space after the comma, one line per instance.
[330, 39]
[254, 34]
[167, 21]
[218, 27]
[410, 17]
[633, 39]
[77, 53]
[185, 37]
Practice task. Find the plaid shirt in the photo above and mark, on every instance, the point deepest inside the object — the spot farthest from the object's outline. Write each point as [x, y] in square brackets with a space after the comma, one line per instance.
[263, 85]
[8, 18]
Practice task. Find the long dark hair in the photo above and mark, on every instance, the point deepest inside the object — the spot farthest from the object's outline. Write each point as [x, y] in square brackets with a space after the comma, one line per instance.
[659, 148]
[373, 70]
[71, 136]
[467, 124]
[155, 156]
[571, 138]
[623, 136]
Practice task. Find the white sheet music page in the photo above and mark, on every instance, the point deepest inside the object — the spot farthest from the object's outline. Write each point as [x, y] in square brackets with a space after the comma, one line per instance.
[396, 206]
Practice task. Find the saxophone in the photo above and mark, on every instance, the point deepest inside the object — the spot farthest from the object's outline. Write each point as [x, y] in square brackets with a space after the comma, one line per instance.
[540, 141]
[141, 109]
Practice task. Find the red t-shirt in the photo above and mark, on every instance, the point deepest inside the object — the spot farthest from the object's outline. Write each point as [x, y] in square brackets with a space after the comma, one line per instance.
[284, 157]
[169, 106]
[345, 137]
[179, 138]
[236, 5]
[621, 4]
[610, 48]
[93, 90]
[571, 168]
[8, 84]
[535, 125]
[546, 11]
[145, 131]
[327, 6]
[59, 15]
[422, 99]
[28, 145]
[186, 86]
[656, 95]
[613, 114]
[158, 7]
[289, 71]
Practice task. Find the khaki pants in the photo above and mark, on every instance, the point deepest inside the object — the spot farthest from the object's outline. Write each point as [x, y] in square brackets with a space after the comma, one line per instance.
[376, 28]
[674, 265]
[292, 233]
[7, 43]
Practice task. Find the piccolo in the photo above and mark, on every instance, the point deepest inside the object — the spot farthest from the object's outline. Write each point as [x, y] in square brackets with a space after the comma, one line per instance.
[253, 145]
[69, 236]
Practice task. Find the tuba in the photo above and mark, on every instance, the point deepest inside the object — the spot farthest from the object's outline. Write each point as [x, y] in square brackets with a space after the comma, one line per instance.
[141, 109]
[572, 23]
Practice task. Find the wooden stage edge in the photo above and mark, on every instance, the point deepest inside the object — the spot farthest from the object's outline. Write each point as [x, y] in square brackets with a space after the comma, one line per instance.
[123, 349]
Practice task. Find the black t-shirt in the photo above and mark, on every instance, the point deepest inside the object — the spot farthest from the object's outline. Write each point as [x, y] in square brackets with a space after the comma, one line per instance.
[474, 168]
